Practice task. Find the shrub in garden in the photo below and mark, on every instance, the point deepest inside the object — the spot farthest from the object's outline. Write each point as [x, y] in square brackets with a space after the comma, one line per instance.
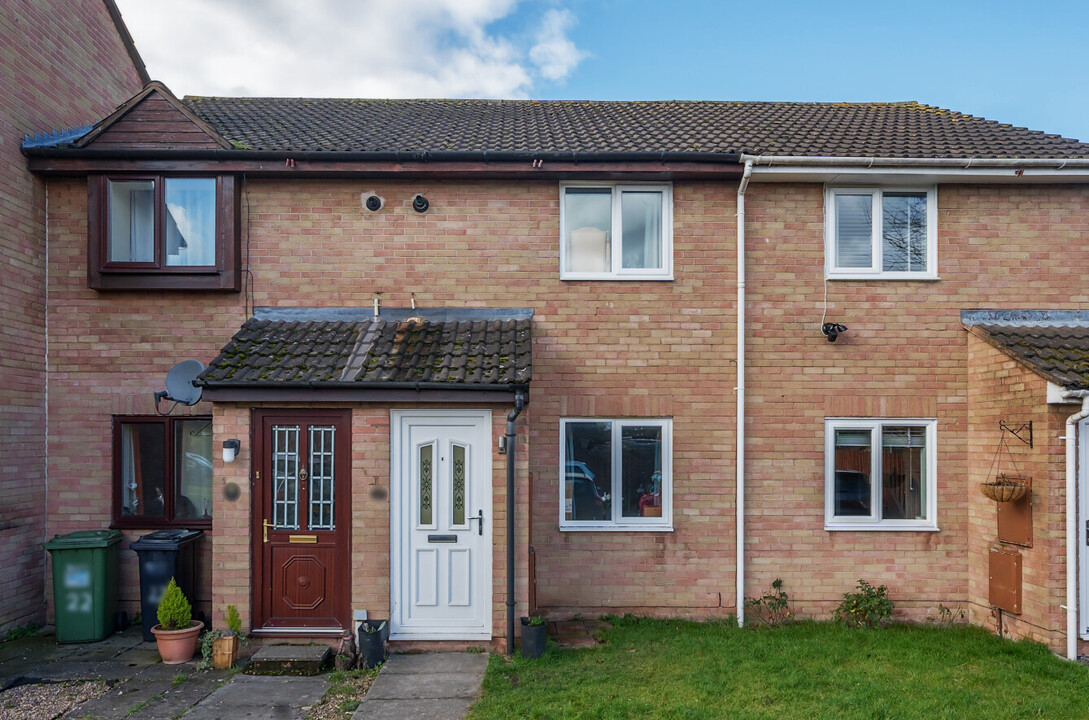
[868, 607]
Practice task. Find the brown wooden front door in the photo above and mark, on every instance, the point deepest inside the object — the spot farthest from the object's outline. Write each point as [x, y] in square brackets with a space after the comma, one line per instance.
[301, 519]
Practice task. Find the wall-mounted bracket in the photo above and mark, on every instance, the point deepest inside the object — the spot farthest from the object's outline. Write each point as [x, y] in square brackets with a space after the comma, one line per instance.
[1022, 432]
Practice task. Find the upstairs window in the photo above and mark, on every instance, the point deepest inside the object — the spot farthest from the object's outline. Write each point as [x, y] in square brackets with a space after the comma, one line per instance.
[616, 232]
[881, 233]
[162, 472]
[160, 232]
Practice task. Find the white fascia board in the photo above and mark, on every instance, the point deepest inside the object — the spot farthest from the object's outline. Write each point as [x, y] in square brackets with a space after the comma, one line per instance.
[770, 168]
[1058, 395]
[922, 174]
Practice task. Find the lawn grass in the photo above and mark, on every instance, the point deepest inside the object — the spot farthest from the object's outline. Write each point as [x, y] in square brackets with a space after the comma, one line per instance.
[691, 671]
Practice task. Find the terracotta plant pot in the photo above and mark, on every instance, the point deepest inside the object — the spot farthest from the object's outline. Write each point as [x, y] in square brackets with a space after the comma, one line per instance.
[223, 651]
[177, 646]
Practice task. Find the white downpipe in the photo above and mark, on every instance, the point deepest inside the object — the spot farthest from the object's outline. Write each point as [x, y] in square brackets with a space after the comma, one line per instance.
[740, 471]
[1072, 525]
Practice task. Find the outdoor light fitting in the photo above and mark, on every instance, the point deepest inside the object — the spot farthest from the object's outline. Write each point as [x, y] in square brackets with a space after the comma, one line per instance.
[832, 330]
[230, 450]
[420, 203]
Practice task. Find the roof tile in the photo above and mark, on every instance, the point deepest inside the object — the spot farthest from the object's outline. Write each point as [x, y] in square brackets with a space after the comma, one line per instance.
[291, 352]
[1058, 353]
[893, 130]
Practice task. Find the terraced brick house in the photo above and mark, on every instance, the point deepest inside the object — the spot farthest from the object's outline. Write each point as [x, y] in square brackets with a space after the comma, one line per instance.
[461, 360]
[64, 63]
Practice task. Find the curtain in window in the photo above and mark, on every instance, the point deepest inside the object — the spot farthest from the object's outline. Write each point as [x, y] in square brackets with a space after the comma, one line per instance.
[132, 221]
[190, 222]
[903, 470]
[854, 230]
[130, 477]
[642, 229]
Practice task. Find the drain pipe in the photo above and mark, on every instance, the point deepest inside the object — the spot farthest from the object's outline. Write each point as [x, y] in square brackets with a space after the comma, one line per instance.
[740, 471]
[1071, 523]
[519, 403]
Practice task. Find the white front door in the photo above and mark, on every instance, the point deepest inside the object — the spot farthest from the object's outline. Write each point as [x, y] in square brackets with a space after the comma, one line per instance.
[440, 525]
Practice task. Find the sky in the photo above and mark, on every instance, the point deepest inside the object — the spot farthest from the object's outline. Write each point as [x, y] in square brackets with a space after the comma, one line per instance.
[1024, 63]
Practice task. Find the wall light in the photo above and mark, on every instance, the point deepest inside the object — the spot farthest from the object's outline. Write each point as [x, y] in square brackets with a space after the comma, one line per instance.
[832, 330]
[230, 450]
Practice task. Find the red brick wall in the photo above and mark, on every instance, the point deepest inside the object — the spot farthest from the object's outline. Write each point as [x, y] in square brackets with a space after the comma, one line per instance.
[370, 498]
[481, 244]
[614, 349]
[63, 64]
[904, 355]
[1001, 389]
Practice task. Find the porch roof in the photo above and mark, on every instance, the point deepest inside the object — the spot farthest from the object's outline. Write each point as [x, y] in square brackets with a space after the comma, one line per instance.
[350, 348]
[1053, 344]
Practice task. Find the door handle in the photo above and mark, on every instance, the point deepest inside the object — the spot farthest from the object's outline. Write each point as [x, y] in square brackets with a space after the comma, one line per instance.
[265, 525]
[480, 519]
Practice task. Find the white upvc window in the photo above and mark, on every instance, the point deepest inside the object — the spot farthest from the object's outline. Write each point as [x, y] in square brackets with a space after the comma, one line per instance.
[901, 244]
[616, 474]
[880, 474]
[616, 232]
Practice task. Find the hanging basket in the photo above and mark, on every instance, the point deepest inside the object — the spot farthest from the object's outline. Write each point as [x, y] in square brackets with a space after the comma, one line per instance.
[1005, 488]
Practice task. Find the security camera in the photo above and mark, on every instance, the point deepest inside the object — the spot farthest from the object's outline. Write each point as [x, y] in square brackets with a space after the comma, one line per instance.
[372, 202]
[420, 203]
[832, 330]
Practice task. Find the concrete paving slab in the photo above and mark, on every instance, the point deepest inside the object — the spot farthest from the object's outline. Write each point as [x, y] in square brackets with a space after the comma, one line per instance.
[111, 670]
[261, 698]
[152, 695]
[399, 664]
[445, 709]
[432, 686]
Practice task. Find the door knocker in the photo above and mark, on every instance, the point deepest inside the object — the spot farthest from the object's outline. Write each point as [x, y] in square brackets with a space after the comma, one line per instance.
[303, 475]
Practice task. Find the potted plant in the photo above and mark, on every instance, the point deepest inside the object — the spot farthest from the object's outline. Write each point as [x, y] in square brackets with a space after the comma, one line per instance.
[372, 641]
[533, 636]
[1005, 488]
[177, 632]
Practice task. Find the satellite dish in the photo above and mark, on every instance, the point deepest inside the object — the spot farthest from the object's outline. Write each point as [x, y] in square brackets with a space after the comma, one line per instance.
[179, 382]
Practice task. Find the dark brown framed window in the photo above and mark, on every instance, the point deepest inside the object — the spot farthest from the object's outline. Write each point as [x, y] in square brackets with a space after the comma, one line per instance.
[163, 232]
[162, 472]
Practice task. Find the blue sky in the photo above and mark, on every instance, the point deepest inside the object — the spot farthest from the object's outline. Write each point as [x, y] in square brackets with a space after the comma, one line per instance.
[1019, 63]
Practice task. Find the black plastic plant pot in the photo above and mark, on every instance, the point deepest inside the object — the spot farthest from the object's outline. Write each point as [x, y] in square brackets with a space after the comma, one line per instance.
[372, 642]
[533, 639]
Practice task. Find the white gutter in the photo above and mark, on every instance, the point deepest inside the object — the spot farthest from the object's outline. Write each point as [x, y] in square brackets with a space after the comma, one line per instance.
[740, 471]
[884, 162]
[1072, 525]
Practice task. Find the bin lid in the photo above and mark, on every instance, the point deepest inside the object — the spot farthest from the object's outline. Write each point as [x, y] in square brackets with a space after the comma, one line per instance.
[84, 539]
[166, 539]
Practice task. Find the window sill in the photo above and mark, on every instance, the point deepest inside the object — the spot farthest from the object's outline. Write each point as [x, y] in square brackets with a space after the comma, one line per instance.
[616, 528]
[620, 278]
[189, 281]
[911, 277]
[879, 527]
[157, 524]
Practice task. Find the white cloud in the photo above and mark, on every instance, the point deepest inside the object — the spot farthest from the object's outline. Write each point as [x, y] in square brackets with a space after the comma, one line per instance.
[348, 48]
[554, 54]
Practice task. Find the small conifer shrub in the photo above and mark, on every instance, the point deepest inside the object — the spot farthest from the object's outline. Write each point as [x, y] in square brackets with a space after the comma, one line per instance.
[175, 612]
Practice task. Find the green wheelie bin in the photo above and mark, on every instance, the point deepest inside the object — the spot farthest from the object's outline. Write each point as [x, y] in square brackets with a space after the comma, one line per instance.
[85, 579]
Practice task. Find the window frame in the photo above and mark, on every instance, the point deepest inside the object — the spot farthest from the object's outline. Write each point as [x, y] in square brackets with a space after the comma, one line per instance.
[225, 275]
[620, 523]
[874, 272]
[130, 522]
[619, 273]
[874, 521]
